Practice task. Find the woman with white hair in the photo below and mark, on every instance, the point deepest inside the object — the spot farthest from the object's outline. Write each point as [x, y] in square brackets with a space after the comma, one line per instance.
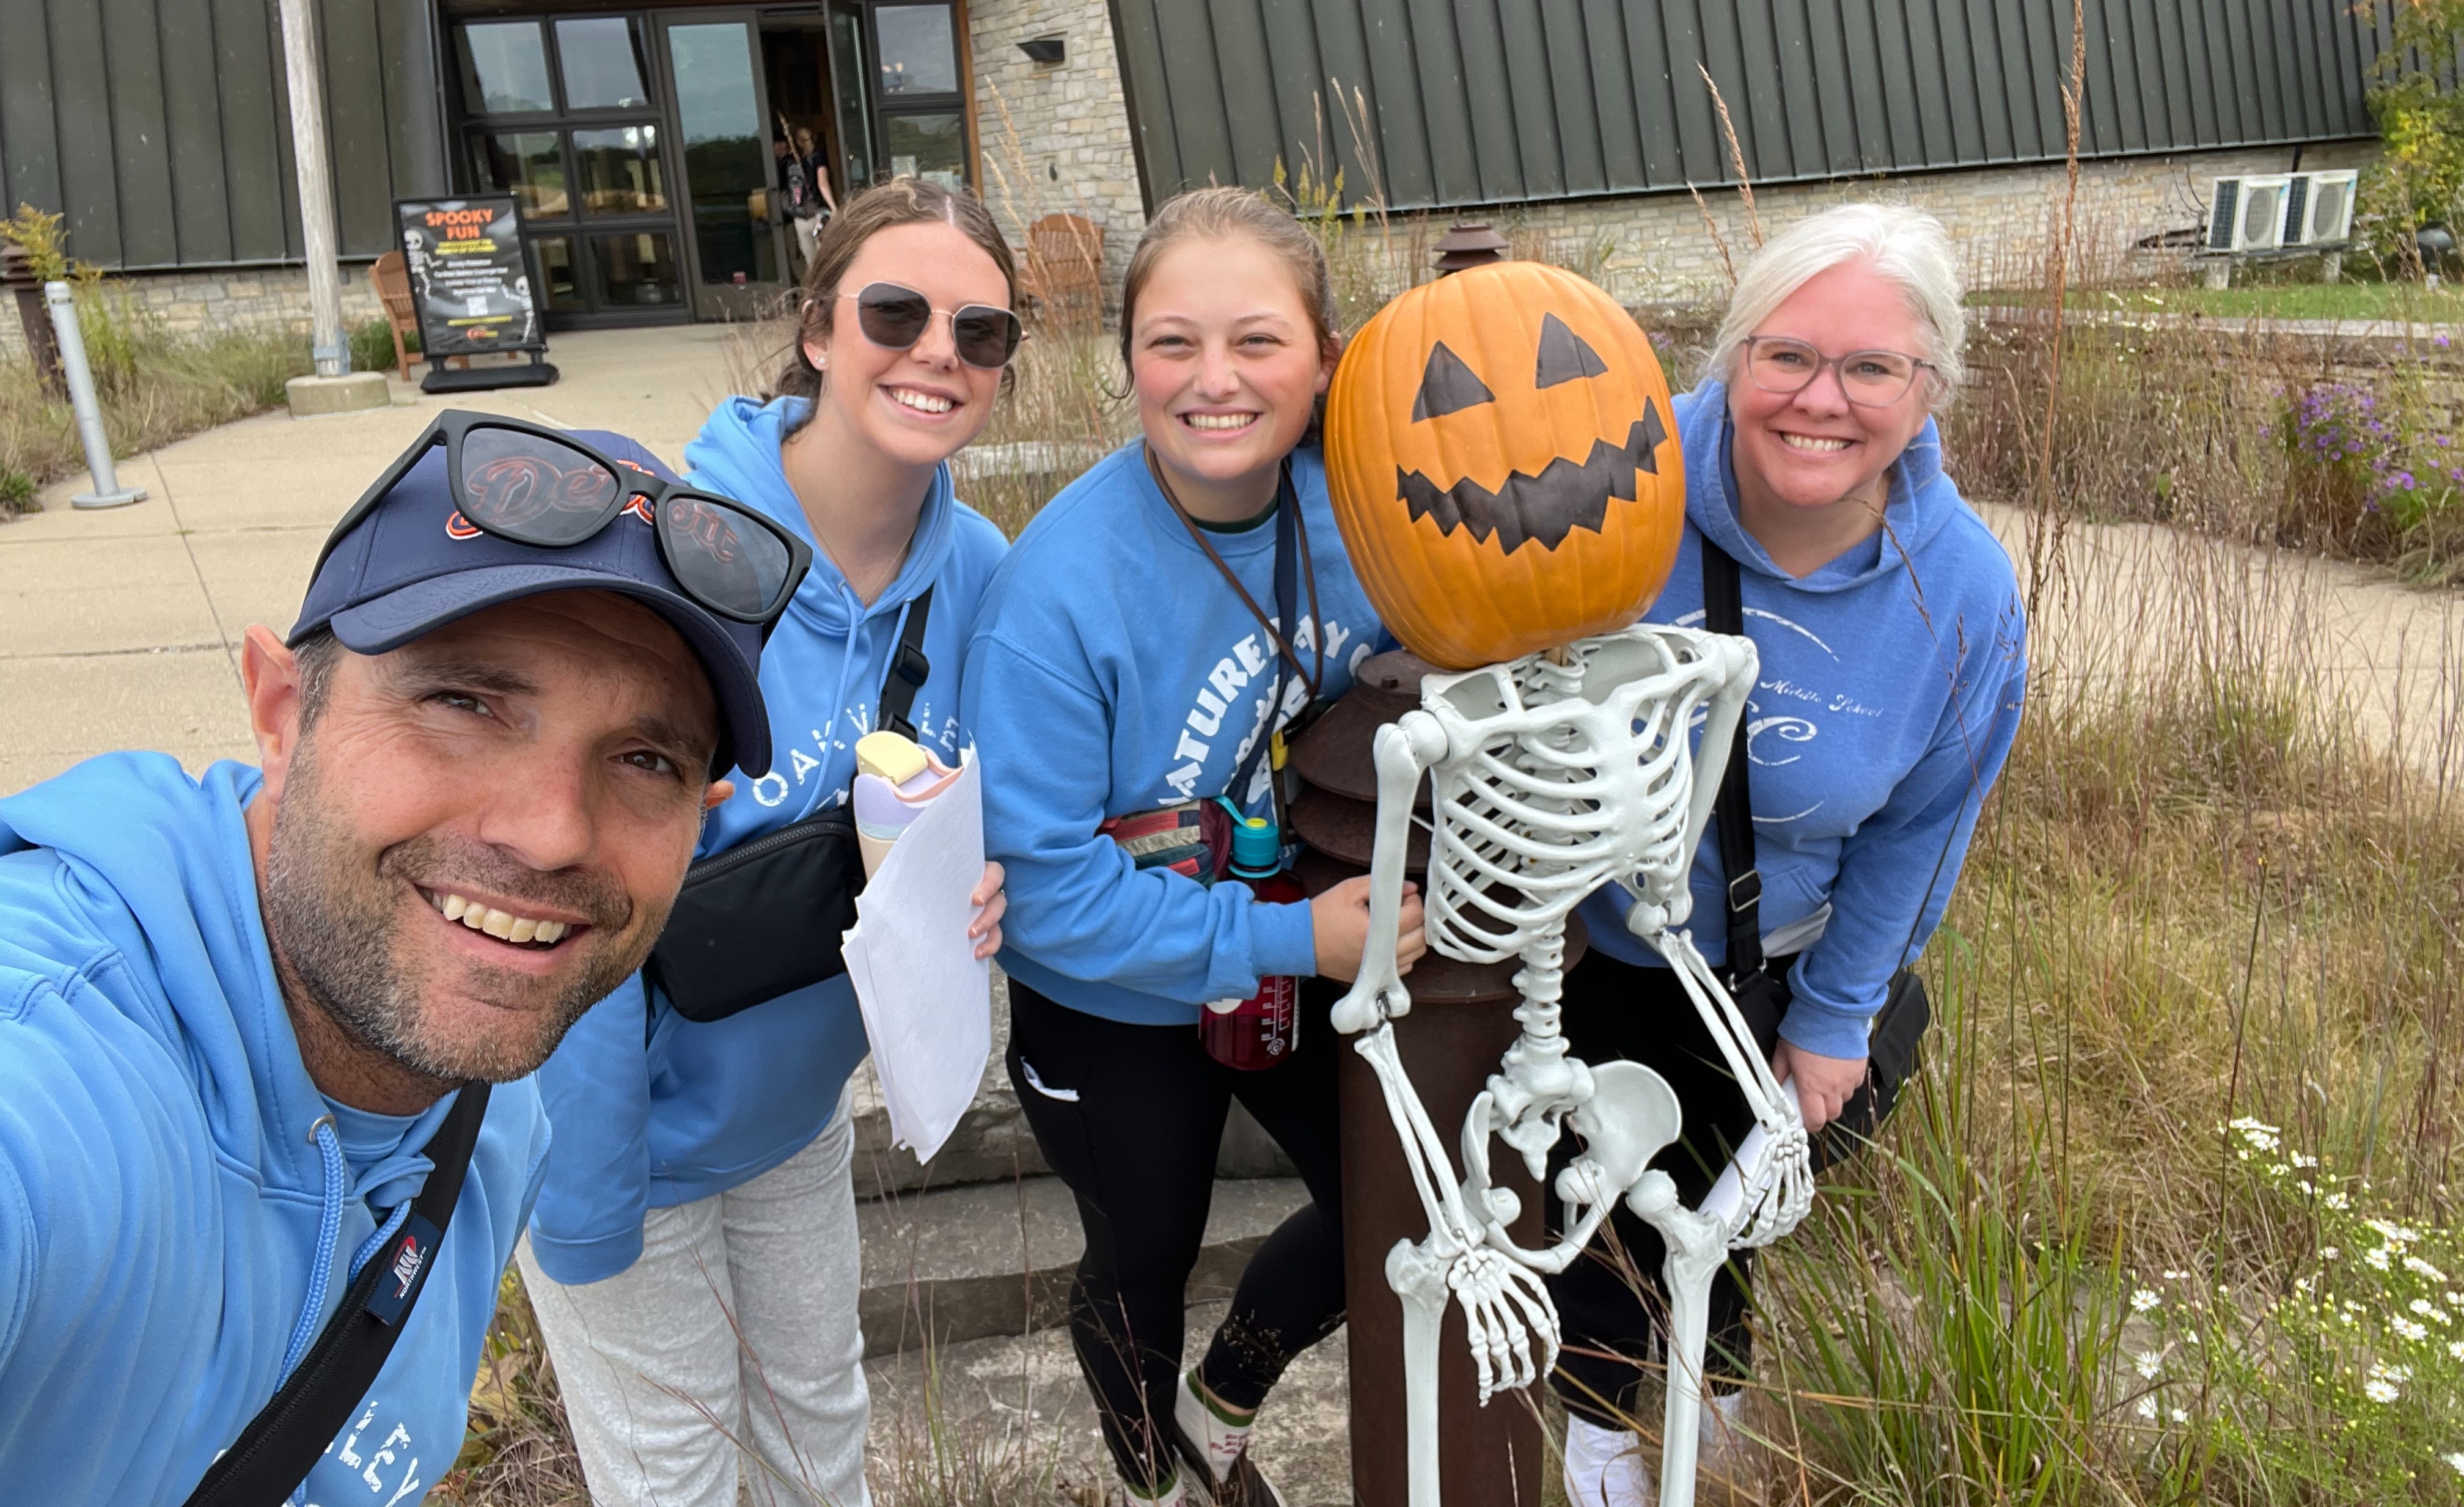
[1892, 641]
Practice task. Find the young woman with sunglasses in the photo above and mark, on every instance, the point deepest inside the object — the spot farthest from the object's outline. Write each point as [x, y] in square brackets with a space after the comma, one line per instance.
[693, 1259]
[1123, 677]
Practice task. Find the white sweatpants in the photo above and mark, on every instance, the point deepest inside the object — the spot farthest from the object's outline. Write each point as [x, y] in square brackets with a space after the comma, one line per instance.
[731, 1346]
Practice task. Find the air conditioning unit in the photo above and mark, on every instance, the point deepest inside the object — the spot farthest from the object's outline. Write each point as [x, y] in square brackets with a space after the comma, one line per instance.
[2247, 215]
[2319, 210]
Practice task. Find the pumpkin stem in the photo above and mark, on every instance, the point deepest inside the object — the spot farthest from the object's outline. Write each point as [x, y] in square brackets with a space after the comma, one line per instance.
[1469, 246]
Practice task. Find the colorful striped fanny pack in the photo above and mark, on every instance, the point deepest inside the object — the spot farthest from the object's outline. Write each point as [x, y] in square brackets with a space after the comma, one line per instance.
[1193, 838]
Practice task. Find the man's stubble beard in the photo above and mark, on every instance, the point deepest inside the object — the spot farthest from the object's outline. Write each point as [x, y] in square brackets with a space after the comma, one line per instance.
[336, 922]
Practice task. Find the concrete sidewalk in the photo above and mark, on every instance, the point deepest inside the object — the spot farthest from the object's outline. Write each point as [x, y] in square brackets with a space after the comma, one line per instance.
[120, 628]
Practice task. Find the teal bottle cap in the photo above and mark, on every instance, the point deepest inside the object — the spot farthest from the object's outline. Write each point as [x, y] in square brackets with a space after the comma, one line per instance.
[1257, 845]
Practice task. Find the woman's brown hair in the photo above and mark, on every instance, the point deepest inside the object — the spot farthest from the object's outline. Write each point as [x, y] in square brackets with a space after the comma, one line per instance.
[1220, 214]
[901, 201]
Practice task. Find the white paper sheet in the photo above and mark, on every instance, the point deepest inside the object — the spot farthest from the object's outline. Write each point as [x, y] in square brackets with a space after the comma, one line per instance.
[927, 998]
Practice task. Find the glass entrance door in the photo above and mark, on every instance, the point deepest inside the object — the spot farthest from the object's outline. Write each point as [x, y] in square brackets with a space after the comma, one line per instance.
[559, 112]
[735, 233]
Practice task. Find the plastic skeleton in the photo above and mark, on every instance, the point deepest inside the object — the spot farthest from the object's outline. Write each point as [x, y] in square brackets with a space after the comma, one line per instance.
[1553, 775]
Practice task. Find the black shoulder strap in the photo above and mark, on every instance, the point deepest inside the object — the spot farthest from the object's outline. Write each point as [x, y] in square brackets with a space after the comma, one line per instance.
[908, 669]
[287, 1437]
[1723, 611]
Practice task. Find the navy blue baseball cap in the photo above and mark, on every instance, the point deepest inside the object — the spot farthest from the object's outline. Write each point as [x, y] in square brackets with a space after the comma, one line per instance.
[413, 564]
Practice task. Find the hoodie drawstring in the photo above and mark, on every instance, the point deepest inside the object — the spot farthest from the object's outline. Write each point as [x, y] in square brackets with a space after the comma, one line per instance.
[329, 1230]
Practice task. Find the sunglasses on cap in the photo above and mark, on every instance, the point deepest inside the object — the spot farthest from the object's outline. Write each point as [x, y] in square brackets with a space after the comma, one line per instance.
[895, 318]
[534, 486]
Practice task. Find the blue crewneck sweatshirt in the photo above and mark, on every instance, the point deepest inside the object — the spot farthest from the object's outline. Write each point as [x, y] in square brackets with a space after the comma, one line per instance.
[164, 1248]
[655, 1110]
[1888, 695]
[1114, 672]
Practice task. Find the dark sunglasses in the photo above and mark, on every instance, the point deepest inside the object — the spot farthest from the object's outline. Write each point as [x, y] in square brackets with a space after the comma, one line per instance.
[537, 487]
[895, 318]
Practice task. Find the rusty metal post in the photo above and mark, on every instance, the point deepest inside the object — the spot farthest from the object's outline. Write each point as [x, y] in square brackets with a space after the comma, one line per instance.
[1463, 1018]
[42, 348]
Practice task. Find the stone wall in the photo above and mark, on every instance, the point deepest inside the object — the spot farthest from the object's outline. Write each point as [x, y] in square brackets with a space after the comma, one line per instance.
[1056, 135]
[197, 303]
[1656, 248]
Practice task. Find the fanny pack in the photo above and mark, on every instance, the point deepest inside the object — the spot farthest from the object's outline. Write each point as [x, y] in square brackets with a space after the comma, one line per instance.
[767, 918]
[1761, 991]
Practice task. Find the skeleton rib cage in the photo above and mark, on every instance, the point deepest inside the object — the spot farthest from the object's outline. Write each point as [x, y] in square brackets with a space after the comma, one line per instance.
[1552, 776]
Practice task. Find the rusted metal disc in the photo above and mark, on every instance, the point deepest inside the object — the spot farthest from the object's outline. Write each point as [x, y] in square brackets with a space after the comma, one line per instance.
[1337, 753]
[1346, 829]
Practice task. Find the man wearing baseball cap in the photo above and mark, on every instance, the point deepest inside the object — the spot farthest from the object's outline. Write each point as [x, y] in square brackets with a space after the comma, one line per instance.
[256, 1192]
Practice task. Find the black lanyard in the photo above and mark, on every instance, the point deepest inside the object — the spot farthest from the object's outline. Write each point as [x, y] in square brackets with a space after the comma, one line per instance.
[1291, 561]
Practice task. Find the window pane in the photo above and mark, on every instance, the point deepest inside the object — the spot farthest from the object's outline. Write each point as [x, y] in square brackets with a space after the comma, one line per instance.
[504, 68]
[855, 125]
[929, 147]
[727, 152]
[636, 269]
[603, 63]
[526, 164]
[916, 53]
[561, 291]
[619, 170]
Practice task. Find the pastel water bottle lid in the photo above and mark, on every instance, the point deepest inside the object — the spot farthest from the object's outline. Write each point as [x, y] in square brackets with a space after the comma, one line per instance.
[1257, 845]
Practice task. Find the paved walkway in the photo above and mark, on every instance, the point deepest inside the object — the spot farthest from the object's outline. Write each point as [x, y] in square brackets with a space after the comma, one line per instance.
[118, 629]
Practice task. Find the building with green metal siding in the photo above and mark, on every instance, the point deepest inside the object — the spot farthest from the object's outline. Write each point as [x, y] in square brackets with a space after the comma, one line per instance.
[636, 139]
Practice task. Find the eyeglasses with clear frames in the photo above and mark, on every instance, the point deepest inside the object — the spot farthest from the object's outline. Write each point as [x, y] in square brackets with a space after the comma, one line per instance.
[1872, 379]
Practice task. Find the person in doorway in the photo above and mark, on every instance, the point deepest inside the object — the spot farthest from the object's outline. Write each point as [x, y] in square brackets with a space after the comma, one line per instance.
[804, 185]
[250, 1016]
[694, 1259]
[1125, 668]
[1893, 648]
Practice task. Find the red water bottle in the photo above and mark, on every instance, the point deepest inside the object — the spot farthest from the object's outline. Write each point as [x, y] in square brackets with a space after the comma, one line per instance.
[1262, 1031]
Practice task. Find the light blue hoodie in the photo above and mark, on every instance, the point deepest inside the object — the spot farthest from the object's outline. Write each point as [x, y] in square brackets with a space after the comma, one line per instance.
[656, 1110]
[1888, 697]
[172, 1233]
[1114, 672]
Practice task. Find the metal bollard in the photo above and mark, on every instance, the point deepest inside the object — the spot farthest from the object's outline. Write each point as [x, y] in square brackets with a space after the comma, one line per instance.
[108, 490]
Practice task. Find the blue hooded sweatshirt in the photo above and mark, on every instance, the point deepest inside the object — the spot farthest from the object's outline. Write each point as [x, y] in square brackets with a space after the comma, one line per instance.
[175, 1225]
[1114, 672]
[706, 1106]
[1888, 697]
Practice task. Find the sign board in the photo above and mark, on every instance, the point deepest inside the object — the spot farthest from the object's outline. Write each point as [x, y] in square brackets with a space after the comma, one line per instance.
[469, 276]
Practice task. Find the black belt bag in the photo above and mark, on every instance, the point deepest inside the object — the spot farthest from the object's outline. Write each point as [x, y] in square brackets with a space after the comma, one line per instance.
[1759, 985]
[768, 916]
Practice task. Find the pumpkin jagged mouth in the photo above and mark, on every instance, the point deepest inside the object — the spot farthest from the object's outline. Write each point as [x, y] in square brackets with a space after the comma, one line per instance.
[1565, 494]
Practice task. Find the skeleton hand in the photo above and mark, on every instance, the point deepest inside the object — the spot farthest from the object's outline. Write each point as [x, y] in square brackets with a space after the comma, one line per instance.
[1504, 1306]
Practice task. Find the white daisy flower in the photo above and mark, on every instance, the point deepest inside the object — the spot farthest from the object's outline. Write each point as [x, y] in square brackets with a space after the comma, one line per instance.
[2150, 1362]
[2420, 1268]
[2380, 1391]
[2456, 1461]
[2147, 1408]
[2144, 1299]
[2411, 1331]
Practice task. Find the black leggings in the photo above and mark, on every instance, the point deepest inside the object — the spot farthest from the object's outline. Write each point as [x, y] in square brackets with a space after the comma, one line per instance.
[1619, 1011]
[1130, 1118]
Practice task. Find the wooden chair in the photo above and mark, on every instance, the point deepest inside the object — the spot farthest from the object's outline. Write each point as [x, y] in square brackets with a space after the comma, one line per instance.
[1064, 269]
[390, 275]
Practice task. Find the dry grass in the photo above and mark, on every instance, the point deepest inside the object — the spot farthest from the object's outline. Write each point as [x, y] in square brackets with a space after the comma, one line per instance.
[154, 389]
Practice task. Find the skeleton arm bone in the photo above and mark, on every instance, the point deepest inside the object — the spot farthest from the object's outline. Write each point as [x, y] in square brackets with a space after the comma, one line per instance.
[1405, 749]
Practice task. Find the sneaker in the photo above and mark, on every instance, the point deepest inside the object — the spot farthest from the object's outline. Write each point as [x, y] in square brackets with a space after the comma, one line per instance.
[1244, 1484]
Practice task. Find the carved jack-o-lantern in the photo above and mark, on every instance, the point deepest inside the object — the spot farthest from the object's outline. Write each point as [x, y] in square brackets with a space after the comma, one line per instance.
[1499, 454]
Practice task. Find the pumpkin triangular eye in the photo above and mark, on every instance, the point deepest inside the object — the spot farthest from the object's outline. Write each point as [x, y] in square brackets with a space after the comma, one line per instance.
[1448, 385]
[1565, 355]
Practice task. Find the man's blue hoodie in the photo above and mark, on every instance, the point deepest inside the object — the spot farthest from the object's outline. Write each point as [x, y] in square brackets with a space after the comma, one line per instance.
[653, 1110]
[174, 1229]
[1888, 697]
[1115, 673]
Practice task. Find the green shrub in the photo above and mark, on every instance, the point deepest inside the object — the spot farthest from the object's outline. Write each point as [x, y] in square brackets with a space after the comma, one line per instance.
[372, 345]
[16, 493]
